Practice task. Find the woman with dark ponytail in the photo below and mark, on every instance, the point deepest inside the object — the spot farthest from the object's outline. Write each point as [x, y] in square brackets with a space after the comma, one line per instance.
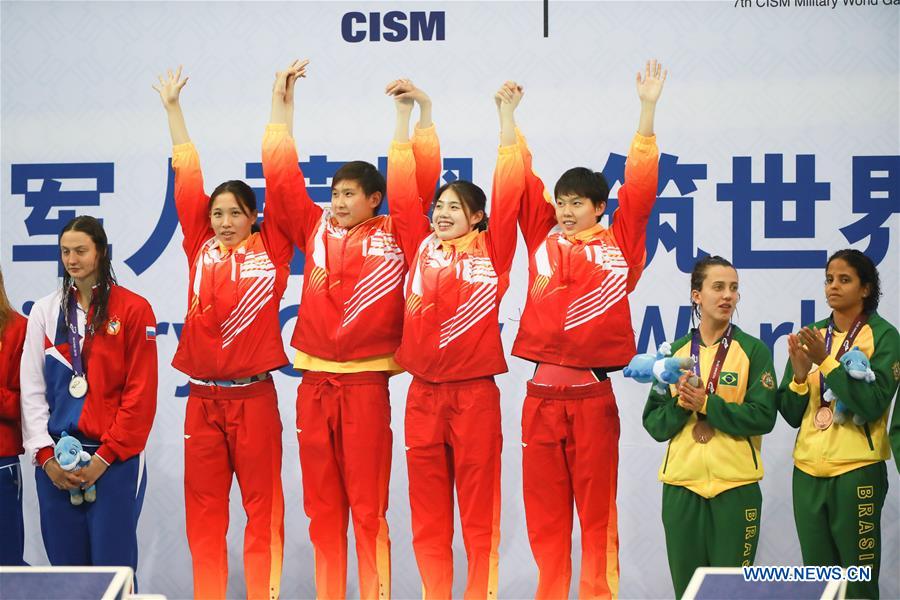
[230, 342]
[89, 369]
[458, 272]
[840, 478]
[711, 497]
[12, 337]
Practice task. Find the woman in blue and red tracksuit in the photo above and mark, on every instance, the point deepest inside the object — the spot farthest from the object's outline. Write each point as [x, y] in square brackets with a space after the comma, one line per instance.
[451, 345]
[12, 530]
[89, 368]
[580, 274]
[230, 342]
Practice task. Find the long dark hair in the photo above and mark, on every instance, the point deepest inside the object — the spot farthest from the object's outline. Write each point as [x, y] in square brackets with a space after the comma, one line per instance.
[698, 276]
[5, 308]
[867, 272]
[472, 197]
[244, 195]
[106, 278]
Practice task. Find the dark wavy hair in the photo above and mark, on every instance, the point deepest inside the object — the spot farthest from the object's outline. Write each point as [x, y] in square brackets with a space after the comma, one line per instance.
[244, 194]
[106, 278]
[867, 272]
[472, 197]
[698, 276]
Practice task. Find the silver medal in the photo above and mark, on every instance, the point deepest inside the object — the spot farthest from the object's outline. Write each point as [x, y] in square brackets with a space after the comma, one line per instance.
[78, 386]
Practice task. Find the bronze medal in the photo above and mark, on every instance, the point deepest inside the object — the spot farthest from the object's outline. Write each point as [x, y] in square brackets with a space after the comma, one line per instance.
[824, 418]
[703, 432]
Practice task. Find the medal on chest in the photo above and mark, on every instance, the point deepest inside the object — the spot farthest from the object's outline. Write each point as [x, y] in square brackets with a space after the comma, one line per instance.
[703, 432]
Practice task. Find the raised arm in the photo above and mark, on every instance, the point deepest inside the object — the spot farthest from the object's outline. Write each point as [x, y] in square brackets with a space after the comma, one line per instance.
[425, 146]
[169, 89]
[638, 193]
[508, 185]
[191, 201]
[283, 94]
[413, 167]
[287, 200]
[537, 215]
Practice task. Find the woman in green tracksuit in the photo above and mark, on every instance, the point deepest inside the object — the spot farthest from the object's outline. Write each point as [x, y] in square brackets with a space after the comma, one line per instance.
[711, 499]
[840, 477]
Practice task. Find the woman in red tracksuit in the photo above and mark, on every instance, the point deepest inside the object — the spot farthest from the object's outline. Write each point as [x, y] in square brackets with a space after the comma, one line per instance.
[12, 338]
[230, 342]
[451, 345]
[580, 275]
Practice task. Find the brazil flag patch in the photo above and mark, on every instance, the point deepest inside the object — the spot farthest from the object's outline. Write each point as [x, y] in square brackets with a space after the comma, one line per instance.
[729, 378]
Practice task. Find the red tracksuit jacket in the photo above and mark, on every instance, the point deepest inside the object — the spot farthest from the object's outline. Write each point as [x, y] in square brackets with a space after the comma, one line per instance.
[453, 291]
[352, 305]
[231, 330]
[10, 410]
[121, 368]
[577, 311]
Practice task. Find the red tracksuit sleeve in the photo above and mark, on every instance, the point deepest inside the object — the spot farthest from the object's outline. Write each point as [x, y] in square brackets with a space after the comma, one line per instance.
[405, 202]
[636, 198]
[506, 196]
[537, 215]
[127, 436]
[191, 202]
[274, 229]
[295, 212]
[427, 152]
[10, 357]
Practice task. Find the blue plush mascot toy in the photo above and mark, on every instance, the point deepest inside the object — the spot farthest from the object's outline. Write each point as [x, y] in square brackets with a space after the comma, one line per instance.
[856, 363]
[661, 369]
[71, 455]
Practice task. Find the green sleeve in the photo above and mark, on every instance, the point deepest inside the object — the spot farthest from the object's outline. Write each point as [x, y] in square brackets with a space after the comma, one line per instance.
[756, 415]
[871, 400]
[895, 431]
[791, 405]
[663, 418]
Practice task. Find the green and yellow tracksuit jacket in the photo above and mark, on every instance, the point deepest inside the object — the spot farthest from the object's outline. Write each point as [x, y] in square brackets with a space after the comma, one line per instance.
[741, 411]
[843, 448]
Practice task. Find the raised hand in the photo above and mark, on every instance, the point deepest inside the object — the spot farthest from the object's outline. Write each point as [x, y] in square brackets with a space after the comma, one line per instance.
[169, 87]
[283, 93]
[283, 87]
[405, 93]
[650, 82]
[508, 96]
[507, 99]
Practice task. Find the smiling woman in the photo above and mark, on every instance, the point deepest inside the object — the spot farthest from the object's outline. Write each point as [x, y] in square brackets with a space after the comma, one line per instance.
[459, 271]
[96, 380]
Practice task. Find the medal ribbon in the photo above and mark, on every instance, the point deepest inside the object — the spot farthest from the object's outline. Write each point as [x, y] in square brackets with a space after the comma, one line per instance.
[855, 328]
[74, 336]
[712, 383]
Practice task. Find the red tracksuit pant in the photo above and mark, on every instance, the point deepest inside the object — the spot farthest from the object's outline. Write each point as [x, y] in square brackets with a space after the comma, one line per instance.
[344, 432]
[570, 449]
[230, 431]
[453, 435]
